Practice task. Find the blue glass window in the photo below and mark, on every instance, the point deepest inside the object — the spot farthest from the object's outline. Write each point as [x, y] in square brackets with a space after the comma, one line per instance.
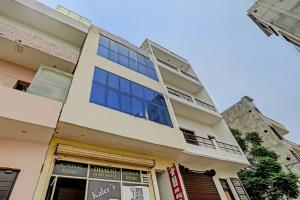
[120, 54]
[121, 94]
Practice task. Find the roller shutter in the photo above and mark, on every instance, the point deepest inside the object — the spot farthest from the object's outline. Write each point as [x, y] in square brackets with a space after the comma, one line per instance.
[200, 186]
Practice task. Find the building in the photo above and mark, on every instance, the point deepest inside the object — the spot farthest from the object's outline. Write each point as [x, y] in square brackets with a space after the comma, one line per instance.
[278, 17]
[36, 66]
[246, 117]
[87, 115]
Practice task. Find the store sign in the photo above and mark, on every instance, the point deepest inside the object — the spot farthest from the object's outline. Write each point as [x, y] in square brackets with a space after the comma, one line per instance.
[66, 168]
[102, 172]
[135, 192]
[104, 190]
[131, 175]
[175, 182]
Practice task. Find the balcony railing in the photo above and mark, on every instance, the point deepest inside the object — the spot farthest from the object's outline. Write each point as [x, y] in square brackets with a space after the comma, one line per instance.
[200, 141]
[228, 147]
[179, 70]
[190, 99]
[208, 143]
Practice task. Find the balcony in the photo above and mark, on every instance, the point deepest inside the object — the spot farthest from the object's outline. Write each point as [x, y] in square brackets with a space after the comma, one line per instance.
[179, 78]
[192, 108]
[211, 148]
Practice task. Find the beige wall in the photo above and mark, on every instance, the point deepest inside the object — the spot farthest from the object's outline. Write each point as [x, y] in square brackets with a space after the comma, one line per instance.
[10, 73]
[28, 157]
[101, 118]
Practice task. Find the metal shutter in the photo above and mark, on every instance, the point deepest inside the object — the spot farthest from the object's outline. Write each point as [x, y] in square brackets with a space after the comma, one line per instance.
[7, 180]
[200, 186]
[241, 192]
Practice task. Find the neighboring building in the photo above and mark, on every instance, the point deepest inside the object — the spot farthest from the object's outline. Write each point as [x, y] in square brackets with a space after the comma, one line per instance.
[39, 49]
[246, 117]
[279, 17]
[136, 118]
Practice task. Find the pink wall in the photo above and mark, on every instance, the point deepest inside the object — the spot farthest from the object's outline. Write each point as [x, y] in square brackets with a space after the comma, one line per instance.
[10, 73]
[28, 157]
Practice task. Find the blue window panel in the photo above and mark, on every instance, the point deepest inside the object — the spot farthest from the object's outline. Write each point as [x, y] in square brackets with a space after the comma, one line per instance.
[165, 117]
[126, 103]
[104, 41]
[133, 65]
[114, 46]
[113, 81]
[97, 94]
[152, 74]
[113, 56]
[160, 100]
[113, 99]
[100, 76]
[138, 108]
[102, 51]
[123, 60]
[141, 59]
[148, 94]
[132, 55]
[149, 64]
[124, 85]
[143, 69]
[123, 50]
[147, 72]
[136, 90]
[153, 112]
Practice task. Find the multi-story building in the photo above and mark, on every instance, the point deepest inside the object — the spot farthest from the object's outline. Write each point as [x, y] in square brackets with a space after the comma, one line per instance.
[278, 17]
[39, 49]
[246, 117]
[87, 115]
[138, 122]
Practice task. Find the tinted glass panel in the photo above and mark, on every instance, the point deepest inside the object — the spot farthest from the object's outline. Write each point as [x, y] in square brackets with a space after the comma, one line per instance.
[118, 93]
[113, 99]
[122, 55]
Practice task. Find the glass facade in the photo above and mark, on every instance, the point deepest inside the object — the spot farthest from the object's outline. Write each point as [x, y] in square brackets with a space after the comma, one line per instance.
[122, 55]
[118, 93]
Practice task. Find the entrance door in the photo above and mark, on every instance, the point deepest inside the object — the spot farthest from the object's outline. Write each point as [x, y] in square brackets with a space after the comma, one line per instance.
[200, 186]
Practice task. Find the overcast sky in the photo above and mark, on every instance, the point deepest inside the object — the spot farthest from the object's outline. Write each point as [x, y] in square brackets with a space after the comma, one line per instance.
[230, 54]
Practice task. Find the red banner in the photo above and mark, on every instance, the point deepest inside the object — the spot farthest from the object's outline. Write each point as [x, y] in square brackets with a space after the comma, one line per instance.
[175, 182]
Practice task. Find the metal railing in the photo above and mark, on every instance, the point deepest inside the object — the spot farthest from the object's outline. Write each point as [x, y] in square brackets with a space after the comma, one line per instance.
[179, 70]
[201, 103]
[180, 95]
[228, 147]
[200, 141]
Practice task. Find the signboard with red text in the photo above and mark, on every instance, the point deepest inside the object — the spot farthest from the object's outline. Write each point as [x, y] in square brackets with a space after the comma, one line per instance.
[175, 182]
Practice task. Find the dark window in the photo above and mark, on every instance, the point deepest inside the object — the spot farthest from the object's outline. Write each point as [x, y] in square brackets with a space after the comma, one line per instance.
[69, 188]
[276, 133]
[189, 136]
[122, 55]
[118, 93]
[21, 85]
[227, 189]
[7, 181]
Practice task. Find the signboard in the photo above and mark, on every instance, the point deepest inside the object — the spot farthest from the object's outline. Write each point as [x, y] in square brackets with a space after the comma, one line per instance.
[135, 192]
[66, 168]
[131, 175]
[175, 182]
[103, 190]
[102, 172]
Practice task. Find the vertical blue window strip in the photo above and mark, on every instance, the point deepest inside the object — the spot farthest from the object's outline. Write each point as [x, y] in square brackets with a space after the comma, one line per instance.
[120, 94]
[122, 55]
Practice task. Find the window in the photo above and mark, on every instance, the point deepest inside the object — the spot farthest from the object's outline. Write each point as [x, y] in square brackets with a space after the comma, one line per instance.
[276, 133]
[239, 189]
[189, 136]
[227, 189]
[122, 55]
[120, 94]
[7, 181]
[21, 85]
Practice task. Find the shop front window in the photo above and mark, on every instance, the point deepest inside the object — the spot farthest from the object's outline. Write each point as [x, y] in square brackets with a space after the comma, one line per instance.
[76, 181]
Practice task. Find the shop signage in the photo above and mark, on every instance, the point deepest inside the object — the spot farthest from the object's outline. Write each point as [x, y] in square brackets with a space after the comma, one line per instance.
[104, 190]
[131, 175]
[135, 192]
[175, 182]
[66, 168]
[102, 172]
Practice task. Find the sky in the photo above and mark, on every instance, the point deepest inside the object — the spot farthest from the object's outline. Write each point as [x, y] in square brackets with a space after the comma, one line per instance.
[229, 53]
